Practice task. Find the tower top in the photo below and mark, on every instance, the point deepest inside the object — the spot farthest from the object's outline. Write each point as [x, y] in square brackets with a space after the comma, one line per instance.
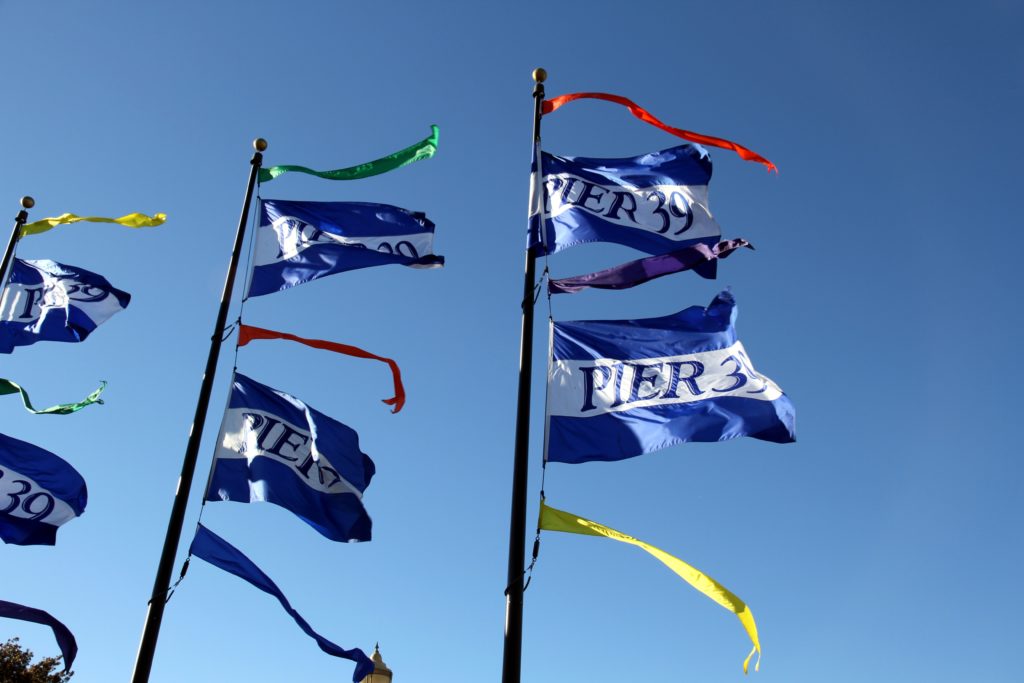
[381, 672]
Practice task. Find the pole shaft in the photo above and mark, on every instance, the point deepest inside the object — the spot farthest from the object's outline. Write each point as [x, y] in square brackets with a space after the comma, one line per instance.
[155, 612]
[512, 658]
[19, 222]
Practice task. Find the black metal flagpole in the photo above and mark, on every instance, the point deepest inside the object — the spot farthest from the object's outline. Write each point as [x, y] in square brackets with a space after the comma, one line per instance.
[19, 222]
[155, 613]
[512, 660]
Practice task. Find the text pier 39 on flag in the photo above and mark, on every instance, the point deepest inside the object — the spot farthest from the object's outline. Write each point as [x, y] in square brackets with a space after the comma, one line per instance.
[26, 499]
[251, 433]
[293, 236]
[585, 388]
[676, 212]
[655, 202]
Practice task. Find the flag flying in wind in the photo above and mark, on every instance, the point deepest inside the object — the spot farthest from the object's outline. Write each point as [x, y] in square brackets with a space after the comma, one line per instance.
[9, 387]
[218, 552]
[273, 447]
[132, 220]
[552, 519]
[38, 493]
[647, 117]
[48, 301]
[247, 333]
[700, 258]
[301, 241]
[655, 202]
[621, 388]
[65, 639]
[424, 149]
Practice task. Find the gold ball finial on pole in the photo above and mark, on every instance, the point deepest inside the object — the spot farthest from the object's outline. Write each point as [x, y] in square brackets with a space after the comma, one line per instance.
[27, 202]
[259, 144]
[540, 75]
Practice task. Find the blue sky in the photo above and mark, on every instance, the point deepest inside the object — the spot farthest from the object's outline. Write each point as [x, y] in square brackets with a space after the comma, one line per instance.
[884, 545]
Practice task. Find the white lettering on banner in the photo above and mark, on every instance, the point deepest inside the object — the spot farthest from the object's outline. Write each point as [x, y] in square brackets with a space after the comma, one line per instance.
[248, 433]
[24, 303]
[24, 498]
[676, 212]
[289, 236]
[585, 388]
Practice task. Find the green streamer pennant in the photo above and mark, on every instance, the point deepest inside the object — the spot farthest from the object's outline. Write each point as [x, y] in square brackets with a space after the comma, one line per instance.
[9, 387]
[424, 149]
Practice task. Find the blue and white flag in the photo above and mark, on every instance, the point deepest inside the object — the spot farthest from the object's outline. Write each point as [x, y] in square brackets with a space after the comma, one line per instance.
[48, 301]
[38, 493]
[656, 202]
[210, 547]
[273, 447]
[621, 388]
[301, 241]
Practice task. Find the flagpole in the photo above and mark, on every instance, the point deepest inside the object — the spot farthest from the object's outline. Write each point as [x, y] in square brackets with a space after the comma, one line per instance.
[19, 222]
[155, 612]
[512, 659]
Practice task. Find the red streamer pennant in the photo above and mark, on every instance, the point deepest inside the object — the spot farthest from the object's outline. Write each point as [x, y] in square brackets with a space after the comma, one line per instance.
[644, 115]
[247, 333]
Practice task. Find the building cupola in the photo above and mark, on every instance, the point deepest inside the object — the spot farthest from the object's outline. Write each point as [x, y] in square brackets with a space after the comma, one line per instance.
[381, 672]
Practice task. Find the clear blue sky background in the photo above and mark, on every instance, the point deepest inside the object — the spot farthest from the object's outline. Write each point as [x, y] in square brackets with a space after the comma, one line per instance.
[885, 545]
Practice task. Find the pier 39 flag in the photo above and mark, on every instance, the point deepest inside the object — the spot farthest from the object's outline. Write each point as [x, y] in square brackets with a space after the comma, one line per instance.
[655, 202]
[273, 447]
[621, 388]
[48, 301]
[38, 493]
[301, 241]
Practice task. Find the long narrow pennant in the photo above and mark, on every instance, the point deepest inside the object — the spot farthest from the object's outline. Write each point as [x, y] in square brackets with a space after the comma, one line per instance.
[218, 552]
[424, 149]
[247, 333]
[645, 116]
[132, 220]
[700, 258]
[9, 387]
[552, 519]
[65, 639]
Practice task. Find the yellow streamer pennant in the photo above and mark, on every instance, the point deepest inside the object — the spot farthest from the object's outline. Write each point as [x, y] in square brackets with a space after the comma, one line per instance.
[552, 519]
[132, 220]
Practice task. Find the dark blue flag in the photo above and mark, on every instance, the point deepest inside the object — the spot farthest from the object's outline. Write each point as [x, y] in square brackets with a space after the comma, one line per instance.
[38, 493]
[273, 447]
[218, 552]
[621, 388]
[301, 241]
[655, 202]
[48, 301]
[65, 639]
